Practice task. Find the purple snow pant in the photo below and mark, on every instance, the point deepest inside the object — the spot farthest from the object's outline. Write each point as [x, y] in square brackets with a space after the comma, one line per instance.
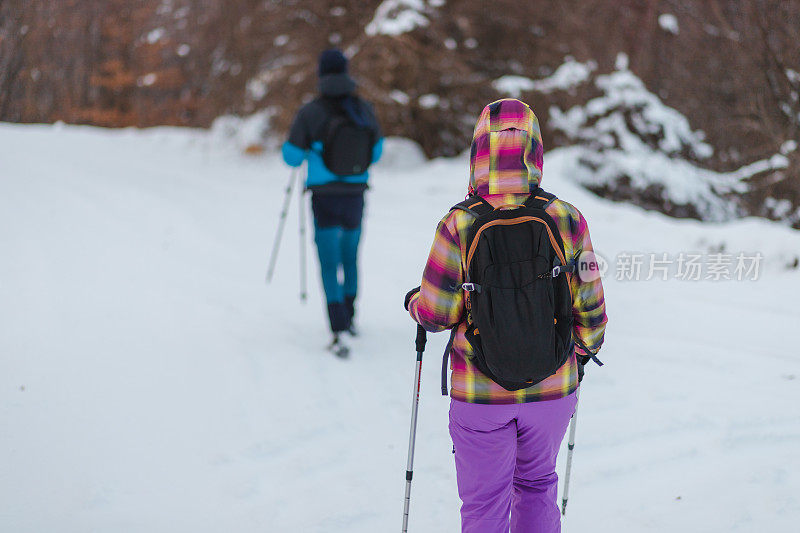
[505, 464]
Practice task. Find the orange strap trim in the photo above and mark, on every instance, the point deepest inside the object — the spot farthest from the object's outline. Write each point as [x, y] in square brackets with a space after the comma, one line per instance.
[509, 222]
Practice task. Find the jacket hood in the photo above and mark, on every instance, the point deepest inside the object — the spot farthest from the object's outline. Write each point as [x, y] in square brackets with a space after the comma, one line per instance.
[507, 154]
[339, 84]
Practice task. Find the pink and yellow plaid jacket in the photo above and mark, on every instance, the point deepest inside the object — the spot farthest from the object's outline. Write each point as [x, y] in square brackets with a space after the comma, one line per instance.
[505, 165]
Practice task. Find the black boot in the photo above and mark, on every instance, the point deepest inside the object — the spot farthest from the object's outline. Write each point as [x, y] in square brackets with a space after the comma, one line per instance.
[350, 305]
[339, 317]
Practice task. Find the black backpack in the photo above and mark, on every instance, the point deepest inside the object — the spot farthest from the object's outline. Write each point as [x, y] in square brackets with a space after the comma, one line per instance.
[346, 146]
[519, 306]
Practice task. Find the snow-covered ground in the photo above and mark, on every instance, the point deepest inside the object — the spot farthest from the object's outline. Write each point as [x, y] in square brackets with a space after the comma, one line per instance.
[151, 382]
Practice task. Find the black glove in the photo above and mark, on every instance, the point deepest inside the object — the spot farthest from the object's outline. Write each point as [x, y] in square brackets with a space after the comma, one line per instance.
[581, 370]
[583, 360]
[409, 295]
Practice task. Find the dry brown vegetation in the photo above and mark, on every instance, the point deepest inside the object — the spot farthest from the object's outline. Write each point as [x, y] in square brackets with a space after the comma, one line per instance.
[185, 62]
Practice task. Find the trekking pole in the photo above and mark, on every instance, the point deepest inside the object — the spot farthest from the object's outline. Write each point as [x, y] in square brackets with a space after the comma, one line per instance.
[570, 449]
[420, 343]
[281, 223]
[302, 211]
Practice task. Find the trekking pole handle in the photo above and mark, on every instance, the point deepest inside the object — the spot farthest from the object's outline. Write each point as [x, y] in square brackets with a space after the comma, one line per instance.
[422, 338]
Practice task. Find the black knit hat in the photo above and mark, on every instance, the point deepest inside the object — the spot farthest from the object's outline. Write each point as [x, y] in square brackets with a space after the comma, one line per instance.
[332, 62]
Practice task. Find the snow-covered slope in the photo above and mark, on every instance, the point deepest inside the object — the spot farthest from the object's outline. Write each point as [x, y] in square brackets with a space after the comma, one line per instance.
[151, 382]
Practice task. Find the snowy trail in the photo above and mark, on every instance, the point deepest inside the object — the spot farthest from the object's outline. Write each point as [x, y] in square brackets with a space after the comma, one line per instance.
[150, 381]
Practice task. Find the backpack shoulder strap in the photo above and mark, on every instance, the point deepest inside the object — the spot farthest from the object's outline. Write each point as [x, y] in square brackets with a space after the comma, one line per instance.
[540, 199]
[333, 113]
[446, 359]
[474, 205]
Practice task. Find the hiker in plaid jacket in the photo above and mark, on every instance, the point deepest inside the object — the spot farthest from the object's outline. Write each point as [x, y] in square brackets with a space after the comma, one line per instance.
[505, 167]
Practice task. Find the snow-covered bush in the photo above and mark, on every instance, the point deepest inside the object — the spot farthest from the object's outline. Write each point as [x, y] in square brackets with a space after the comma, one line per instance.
[629, 145]
[401, 153]
[244, 133]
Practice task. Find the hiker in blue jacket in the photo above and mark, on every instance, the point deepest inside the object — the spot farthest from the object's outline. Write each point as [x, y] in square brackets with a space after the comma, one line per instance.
[338, 134]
